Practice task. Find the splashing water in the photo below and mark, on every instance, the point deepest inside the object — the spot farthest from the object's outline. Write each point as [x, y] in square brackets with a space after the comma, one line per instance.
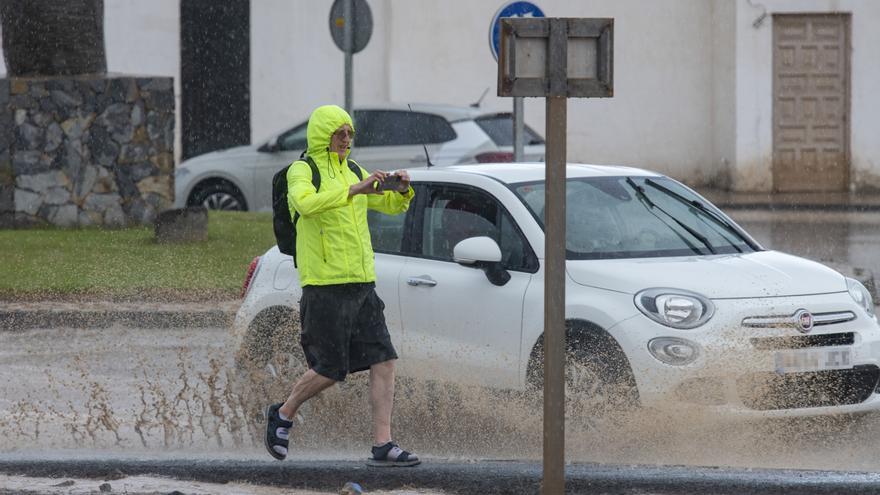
[179, 390]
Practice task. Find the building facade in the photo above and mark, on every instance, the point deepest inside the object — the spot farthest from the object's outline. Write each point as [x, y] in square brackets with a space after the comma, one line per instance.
[750, 95]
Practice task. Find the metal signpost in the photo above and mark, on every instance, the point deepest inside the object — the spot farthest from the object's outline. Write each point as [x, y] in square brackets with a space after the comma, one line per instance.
[351, 25]
[556, 58]
[513, 9]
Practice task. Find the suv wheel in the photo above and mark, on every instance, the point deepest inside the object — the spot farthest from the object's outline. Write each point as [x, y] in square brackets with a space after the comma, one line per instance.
[218, 195]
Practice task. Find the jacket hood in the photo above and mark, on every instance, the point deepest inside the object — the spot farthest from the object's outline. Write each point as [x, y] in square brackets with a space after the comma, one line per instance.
[324, 121]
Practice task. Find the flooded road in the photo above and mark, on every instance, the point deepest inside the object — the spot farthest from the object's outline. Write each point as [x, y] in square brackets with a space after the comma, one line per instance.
[166, 392]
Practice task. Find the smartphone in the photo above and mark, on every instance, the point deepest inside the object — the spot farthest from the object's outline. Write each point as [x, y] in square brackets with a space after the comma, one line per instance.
[392, 183]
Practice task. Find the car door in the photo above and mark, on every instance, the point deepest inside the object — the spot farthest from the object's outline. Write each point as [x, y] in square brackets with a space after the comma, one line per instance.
[387, 234]
[396, 139]
[457, 325]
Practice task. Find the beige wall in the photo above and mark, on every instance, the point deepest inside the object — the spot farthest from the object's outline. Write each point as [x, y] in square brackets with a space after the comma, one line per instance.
[692, 77]
[754, 86]
[658, 117]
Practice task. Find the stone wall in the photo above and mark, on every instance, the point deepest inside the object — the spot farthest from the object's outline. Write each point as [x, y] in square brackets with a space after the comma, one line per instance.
[87, 150]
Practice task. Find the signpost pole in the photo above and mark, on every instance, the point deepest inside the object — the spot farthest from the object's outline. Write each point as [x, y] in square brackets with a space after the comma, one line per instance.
[554, 298]
[348, 36]
[518, 129]
[565, 74]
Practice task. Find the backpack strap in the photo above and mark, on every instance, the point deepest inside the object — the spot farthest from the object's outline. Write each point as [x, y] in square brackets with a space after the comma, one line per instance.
[316, 176]
[356, 169]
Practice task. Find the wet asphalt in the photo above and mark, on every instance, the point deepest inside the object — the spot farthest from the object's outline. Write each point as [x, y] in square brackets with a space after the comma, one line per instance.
[479, 477]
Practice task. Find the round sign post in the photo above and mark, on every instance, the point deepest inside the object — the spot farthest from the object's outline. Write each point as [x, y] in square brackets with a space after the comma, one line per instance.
[351, 25]
[513, 9]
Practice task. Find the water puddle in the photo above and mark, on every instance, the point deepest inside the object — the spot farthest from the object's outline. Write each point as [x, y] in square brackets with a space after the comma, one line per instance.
[176, 392]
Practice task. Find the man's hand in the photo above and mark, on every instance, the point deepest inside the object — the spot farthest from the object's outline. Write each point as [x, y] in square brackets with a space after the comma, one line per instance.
[366, 186]
[404, 181]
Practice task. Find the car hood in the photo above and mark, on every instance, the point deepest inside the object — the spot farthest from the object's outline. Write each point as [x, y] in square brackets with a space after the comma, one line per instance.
[761, 274]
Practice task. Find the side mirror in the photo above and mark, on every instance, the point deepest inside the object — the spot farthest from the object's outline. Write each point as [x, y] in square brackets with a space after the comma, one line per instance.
[483, 253]
[475, 249]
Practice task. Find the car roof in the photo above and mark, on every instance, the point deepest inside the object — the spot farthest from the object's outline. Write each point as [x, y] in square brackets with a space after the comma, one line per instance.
[511, 173]
[449, 112]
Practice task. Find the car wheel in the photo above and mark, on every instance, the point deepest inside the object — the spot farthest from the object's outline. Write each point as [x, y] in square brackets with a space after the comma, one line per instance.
[268, 362]
[217, 195]
[598, 378]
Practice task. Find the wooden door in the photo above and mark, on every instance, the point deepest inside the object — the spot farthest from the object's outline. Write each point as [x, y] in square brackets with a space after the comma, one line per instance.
[811, 102]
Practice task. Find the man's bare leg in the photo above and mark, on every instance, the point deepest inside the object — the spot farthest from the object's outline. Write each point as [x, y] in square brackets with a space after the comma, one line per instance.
[308, 386]
[382, 400]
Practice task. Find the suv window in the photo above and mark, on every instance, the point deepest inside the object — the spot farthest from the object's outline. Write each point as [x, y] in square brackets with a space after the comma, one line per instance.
[294, 139]
[499, 127]
[453, 214]
[386, 231]
[398, 128]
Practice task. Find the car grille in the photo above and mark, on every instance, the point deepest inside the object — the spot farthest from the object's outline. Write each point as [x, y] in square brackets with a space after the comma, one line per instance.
[803, 341]
[765, 391]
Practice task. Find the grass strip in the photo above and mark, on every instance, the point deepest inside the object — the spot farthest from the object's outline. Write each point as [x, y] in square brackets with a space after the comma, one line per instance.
[128, 261]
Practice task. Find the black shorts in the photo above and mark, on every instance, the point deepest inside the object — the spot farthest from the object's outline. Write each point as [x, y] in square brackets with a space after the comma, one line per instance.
[343, 329]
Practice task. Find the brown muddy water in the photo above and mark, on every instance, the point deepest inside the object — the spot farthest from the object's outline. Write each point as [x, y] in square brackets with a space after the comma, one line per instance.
[149, 392]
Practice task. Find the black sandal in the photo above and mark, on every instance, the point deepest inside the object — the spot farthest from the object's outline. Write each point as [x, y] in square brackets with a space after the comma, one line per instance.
[273, 423]
[390, 455]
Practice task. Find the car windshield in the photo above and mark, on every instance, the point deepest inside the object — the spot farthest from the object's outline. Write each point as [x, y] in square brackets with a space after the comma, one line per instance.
[638, 217]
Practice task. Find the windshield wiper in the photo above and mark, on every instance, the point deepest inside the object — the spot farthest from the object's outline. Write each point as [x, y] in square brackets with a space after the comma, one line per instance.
[643, 198]
[706, 211]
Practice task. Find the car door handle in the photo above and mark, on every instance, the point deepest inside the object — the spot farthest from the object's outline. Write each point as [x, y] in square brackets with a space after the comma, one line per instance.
[421, 280]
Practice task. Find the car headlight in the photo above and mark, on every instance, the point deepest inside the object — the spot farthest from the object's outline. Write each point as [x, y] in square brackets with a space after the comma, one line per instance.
[860, 295]
[676, 308]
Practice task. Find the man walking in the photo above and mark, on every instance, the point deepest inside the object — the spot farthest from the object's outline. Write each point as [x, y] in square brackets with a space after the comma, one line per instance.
[342, 319]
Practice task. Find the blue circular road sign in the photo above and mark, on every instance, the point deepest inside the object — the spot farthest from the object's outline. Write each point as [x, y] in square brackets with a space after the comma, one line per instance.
[512, 9]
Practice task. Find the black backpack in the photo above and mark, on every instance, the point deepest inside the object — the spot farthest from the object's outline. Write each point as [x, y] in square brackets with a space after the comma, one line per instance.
[284, 226]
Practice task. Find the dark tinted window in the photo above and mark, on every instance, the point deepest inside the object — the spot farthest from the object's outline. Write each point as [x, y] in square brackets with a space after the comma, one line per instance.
[454, 214]
[396, 128]
[386, 231]
[294, 139]
[500, 129]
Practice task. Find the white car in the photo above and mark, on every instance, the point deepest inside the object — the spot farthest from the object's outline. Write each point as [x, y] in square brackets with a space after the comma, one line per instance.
[667, 299]
[387, 137]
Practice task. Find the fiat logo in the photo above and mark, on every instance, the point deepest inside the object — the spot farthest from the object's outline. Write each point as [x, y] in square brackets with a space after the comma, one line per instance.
[804, 320]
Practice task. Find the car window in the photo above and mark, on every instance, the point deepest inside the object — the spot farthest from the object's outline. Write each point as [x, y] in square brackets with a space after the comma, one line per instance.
[386, 231]
[294, 139]
[500, 128]
[632, 217]
[453, 214]
[399, 128]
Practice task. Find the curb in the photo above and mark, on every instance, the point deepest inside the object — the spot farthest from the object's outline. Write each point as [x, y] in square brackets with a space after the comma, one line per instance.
[483, 477]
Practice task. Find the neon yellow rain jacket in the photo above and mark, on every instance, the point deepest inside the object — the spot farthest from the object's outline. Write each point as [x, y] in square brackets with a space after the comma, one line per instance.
[332, 239]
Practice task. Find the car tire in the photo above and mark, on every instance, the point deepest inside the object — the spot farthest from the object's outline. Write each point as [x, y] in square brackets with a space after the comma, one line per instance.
[217, 194]
[269, 360]
[599, 381]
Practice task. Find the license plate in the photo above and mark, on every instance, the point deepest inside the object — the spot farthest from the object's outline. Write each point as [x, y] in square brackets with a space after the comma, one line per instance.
[838, 358]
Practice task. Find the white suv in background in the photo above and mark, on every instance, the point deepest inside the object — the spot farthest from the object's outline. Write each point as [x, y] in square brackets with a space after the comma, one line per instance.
[386, 137]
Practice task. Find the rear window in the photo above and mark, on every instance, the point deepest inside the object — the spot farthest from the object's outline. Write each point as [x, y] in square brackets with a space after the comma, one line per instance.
[500, 128]
[397, 128]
